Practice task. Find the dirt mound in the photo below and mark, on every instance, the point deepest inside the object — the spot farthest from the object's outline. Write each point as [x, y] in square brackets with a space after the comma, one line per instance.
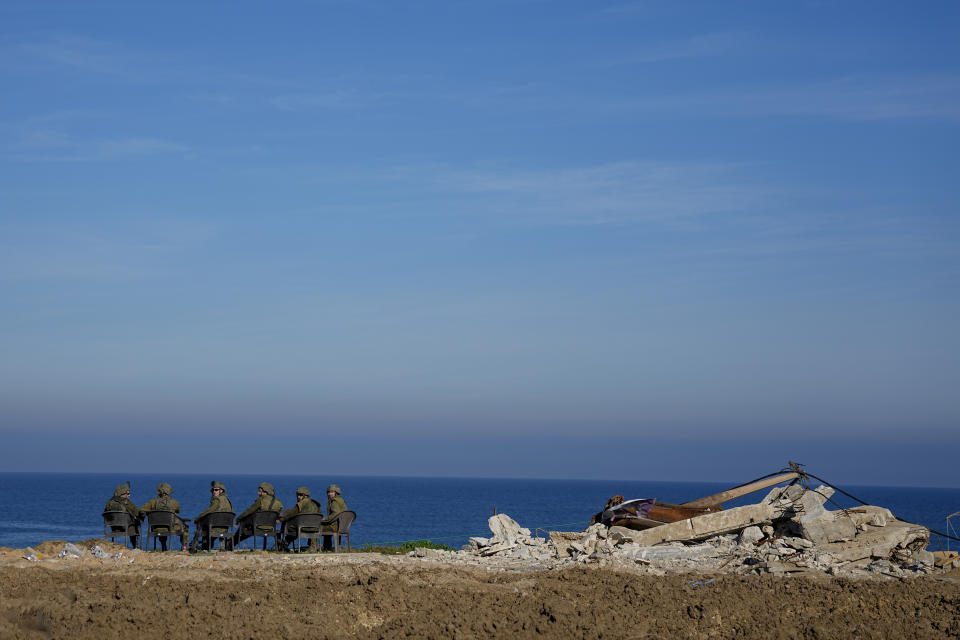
[53, 547]
[261, 597]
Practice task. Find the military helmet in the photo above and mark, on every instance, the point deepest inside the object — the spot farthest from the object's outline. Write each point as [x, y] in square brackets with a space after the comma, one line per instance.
[334, 488]
[217, 485]
[267, 488]
[120, 490]
[303, 491]
[165, 488]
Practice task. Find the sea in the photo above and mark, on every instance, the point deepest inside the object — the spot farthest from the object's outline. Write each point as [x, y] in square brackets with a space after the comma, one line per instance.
[36, 507]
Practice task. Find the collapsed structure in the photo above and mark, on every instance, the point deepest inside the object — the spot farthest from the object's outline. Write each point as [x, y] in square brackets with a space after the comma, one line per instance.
[789, 530]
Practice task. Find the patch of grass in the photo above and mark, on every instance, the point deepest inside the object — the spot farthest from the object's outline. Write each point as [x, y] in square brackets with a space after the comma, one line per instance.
[406, 547]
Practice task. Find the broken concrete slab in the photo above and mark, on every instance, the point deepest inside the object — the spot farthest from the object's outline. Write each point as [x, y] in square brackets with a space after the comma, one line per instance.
[877, 543]
[797, 543]
[698, 528]
[505, 530]
[828, 526]
[809, 505]
[664, 552]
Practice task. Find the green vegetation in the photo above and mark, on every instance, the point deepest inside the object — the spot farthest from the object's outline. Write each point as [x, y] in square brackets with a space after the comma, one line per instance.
[406, 547]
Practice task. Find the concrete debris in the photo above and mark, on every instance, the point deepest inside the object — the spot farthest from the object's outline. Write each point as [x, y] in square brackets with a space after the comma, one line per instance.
[751, 535]
[828, 526]
[946, 560]
[508, 539]
[870, 516]
[505, 530]
[700, 527]
[797, 543]
[789, 531]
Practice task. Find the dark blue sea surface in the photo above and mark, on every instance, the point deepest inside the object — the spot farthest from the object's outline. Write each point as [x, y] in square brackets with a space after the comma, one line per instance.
[35, 507]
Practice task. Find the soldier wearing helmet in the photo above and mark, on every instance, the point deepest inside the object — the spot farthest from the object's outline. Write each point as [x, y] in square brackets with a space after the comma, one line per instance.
[305, 504]
[335, 504]
[219, 503]
[121, 502]
[266, 501]
[163, 502]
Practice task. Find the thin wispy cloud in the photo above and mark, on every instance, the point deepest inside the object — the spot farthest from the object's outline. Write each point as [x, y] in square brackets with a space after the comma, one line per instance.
[98, 252]
[138, 147]
[931, 96]
[860, 98]
[72, 52]
[680, 49]
[615, 192]
[333, 99]
[56, 146]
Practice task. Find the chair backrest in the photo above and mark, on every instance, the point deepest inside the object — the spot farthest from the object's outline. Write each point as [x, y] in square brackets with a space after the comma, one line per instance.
[264, 519]
[305, 521]
[344, 520]
[117, 519]
[217, 520]
[157, 519]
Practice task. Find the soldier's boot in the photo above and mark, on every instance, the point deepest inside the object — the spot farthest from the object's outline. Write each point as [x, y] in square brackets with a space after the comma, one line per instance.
[183, 542]
[328, 543]
[312, 547]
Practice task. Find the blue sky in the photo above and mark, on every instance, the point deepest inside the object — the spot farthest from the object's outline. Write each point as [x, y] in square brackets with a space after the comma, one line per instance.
[526, 238]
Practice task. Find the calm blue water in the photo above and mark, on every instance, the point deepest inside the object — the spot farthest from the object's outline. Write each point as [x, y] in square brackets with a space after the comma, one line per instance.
[47, 506]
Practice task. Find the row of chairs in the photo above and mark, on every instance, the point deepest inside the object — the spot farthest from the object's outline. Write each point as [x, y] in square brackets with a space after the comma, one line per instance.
[219, 526]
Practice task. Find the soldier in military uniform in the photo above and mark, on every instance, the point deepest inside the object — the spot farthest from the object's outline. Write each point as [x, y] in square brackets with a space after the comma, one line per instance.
[265, 502]
[305, 504]
[335, 504]
[121, 502]
[219, 503]
[163, 502]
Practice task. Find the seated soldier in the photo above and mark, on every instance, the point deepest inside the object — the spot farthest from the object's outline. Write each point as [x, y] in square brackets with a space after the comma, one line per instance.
[163, 502]
[265, 502]
[305, 504]
[121, 502]
[335, 504]
[219, 503]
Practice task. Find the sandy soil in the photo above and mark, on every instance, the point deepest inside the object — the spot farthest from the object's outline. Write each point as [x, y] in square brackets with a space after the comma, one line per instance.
[358, 595]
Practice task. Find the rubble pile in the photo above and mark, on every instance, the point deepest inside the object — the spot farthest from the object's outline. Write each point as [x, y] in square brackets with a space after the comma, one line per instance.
[510, 539]
[789, 531]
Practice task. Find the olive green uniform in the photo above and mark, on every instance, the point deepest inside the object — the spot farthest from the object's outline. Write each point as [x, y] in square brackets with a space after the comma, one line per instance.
[335, 505]
[164, 502]
[304, 505]
[307, 505]
[218, 504]
[119, 503]
[266, 502]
